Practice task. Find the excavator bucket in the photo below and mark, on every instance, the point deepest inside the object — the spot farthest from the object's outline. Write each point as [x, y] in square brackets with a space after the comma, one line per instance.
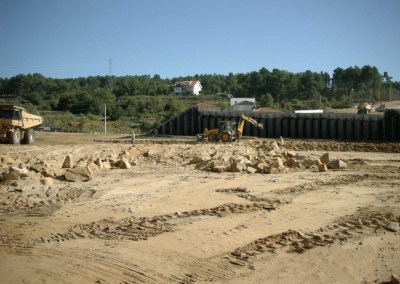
[260, 125]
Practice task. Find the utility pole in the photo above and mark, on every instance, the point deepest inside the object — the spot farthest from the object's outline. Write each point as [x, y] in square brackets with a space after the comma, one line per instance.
[105, 119]
[99, 118]
[110, 75]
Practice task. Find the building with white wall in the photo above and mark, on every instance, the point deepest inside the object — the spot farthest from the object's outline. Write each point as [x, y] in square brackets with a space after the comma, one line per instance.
[236, 101]
[187, 86]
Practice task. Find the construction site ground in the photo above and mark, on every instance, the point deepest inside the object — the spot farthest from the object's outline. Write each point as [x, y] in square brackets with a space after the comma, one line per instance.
[166, 220]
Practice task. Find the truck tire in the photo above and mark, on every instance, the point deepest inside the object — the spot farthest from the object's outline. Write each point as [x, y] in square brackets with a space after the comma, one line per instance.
[211, 137]
[29, 136]
[15, 137]
[226, 137]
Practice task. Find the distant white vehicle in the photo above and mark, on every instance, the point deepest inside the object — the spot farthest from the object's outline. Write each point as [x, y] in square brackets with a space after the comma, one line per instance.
[309, 111]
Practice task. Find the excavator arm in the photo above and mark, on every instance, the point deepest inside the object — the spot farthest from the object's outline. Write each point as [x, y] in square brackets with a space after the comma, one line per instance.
[241, 124]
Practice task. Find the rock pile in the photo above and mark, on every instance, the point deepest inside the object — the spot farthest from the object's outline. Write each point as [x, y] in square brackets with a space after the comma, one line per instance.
[50, 171]
[270, 160]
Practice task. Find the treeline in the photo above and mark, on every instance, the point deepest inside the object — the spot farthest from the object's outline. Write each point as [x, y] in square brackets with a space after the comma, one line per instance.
[133, 95]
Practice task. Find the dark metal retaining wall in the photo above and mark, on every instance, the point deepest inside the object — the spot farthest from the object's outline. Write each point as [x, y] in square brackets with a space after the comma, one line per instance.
[290, 125]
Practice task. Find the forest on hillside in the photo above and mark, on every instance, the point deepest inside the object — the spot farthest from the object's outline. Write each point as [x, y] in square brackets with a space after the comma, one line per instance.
[141, 96]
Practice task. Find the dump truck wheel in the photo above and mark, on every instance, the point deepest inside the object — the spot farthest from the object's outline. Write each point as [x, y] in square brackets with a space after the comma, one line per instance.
[29, 136]
[15, 137]
[211, 137]
[226, 137]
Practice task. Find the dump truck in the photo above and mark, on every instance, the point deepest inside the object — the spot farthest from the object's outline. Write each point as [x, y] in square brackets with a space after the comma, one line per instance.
[227, 131]
[364, 108]
[16, 125]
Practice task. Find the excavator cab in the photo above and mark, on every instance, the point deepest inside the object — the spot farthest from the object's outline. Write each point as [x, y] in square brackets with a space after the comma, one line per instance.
[227, 125]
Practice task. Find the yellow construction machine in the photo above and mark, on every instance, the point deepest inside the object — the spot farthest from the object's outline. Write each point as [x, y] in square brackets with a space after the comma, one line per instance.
[227, 131]
[16, 125]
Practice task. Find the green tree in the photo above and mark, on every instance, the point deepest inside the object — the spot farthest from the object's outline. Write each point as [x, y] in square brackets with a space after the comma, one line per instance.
[267, 100]
[115, 112]
[67, 101]
[34, 98]
[174, 107]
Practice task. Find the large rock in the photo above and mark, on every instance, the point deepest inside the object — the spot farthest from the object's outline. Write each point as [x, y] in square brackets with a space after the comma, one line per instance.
[93, 167]
[11, 176]
[46, 181]
[322, 168]
[260, 166]
[99, 163]
[308, 163]
[251, 170]
[237, 167]
[106, 165]
[294, 163]
[68, 163]
[338, 165]
[124, 164]
[38, 167]
[78, 174]
[276, 166]
[395, 279]
[324, 158]
[291, 154]
[21, 172]
[392, 226]
[18, 170]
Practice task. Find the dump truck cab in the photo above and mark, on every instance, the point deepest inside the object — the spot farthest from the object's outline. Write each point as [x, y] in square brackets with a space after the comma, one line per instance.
[11, 114]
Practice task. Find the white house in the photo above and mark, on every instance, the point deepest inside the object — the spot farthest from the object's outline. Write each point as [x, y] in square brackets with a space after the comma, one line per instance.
[236, 101]
[187, 86]
[242, 106]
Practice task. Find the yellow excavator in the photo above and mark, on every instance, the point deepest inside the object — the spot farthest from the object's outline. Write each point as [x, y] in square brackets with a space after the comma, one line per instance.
[227, 131]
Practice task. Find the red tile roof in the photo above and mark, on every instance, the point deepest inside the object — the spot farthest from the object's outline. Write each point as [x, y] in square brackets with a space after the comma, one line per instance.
[192, 83]
[206, 106]
[265, 109]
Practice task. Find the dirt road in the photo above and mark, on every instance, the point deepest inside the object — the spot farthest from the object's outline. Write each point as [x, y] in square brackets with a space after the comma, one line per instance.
[168, 219]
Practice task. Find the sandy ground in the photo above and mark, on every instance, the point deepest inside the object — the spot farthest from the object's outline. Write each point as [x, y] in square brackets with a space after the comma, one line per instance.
[164, 220]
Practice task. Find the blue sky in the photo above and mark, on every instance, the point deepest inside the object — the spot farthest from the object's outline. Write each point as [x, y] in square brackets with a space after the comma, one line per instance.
[68, 39]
